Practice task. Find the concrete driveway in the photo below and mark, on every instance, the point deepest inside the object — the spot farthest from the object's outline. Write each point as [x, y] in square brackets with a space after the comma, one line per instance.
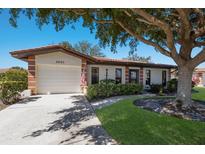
[52, 119]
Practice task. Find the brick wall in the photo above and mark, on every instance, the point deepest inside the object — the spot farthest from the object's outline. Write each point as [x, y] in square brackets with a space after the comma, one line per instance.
[169, 74]
[32, 74]
[126, 74]
[141, 75]
[84, 80]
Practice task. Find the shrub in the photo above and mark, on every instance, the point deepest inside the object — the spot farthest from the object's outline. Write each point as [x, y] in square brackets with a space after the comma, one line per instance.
[12, 83]
[193, 83]
[14, 75]
[172, 85]
[156, 88]
[10, 91]
[109, 88]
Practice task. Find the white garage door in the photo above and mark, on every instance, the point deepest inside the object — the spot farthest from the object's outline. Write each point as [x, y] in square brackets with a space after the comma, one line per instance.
[58, 79]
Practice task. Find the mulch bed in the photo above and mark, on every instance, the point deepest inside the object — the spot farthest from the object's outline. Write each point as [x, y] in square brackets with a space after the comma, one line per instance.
[169, 107]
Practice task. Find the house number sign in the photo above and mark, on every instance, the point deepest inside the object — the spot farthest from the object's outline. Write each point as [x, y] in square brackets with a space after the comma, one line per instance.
[59, 62]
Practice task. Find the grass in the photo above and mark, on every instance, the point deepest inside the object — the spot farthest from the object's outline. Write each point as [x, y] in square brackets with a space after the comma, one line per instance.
[128, 124]
[198, 94]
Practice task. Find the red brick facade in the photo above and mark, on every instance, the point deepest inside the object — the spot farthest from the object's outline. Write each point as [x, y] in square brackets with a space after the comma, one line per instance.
[84, 80]
[169, 74]
[126, 74]
[141, 75]
[32, 74]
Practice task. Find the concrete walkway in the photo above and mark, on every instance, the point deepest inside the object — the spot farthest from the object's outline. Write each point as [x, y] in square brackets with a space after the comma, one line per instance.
[52, 119]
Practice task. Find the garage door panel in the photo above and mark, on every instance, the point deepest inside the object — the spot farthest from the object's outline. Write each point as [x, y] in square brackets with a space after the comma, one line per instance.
[58, 79]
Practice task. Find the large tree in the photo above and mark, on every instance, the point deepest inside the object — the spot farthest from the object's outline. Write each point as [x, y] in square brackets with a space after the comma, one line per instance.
[172, 32]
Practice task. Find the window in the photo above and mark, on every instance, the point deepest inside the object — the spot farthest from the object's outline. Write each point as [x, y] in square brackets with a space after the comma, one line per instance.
[134, 76]
[148, 77]
[95, 75]
[164, 78]
[118, 75]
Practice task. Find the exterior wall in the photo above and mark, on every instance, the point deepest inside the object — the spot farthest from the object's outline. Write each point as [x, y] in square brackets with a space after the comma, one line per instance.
[169, 74]
[56, 58]
[126, 74]
[84, 76]
[102, 72]
[156, 75]
[32, 75]
[141, 75]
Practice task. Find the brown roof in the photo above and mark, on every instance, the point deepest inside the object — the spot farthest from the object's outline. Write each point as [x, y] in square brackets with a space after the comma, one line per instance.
[102, 60]
[105, 59]
[23, 54]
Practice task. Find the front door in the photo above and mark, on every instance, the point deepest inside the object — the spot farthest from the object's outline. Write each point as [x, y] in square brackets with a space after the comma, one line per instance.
[133, 76]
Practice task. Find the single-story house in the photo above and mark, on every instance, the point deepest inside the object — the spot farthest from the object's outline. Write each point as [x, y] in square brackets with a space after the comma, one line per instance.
[55, 69]
[199, 76]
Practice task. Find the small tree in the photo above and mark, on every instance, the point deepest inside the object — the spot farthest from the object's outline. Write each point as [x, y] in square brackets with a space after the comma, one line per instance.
[66, 44]
[84, 47]
[172, 32]
[135, 57]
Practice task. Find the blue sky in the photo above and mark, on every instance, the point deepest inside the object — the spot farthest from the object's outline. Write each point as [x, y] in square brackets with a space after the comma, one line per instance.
[28, 35]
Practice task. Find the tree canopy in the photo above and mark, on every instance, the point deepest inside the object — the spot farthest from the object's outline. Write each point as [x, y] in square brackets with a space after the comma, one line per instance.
[161, 28]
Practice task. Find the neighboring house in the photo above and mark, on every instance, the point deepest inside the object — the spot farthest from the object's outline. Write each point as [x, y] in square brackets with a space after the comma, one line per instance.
[54, 69]
[199, 76]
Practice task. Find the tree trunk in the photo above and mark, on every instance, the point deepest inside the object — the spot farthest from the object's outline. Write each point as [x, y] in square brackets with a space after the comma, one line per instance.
[184, 85]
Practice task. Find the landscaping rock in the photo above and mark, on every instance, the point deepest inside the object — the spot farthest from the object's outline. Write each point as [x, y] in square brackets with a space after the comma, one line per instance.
[171, 108]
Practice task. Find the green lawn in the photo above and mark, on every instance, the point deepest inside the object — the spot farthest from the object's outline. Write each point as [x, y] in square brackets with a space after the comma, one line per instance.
[128, 124]
[199, 93]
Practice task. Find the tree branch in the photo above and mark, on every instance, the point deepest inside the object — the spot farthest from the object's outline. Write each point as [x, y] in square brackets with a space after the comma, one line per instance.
[199, 32]
[76, 11]
[199, 58]
[199, 44]
[139, 19]
[164, 26]
[200, 16]
[140, 38]
[184, 17]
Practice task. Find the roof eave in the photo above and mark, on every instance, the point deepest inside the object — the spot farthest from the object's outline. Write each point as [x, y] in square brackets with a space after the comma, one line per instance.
[23, 54]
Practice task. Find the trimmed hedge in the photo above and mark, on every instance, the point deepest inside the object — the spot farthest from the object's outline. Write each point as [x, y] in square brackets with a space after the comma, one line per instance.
[109, 88]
